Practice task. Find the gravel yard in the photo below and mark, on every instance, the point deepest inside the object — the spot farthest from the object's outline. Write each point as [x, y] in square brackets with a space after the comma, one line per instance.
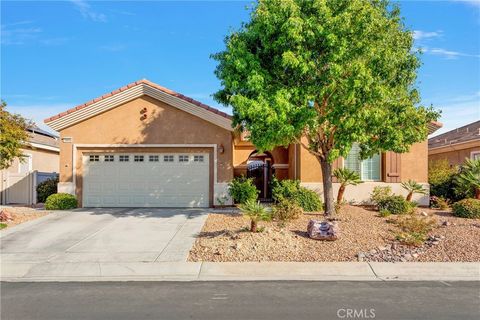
[22, 214]
[224, 237]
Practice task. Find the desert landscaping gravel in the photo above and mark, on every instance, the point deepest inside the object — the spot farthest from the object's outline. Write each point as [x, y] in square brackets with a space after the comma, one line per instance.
[225, 237]
[22, 214]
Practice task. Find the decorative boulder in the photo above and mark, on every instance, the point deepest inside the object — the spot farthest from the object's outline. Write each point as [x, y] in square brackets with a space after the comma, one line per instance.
[323, 230]
[5, 216]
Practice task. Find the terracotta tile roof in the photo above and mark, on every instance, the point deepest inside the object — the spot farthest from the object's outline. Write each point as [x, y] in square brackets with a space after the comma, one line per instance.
[469, 132]
[133, 84]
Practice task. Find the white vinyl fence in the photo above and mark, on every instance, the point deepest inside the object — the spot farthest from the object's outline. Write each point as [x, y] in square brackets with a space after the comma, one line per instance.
[21, 188]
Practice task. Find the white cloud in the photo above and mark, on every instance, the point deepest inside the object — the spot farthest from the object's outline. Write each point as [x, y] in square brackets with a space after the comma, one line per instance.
[470, 2]
[18, 36]
[447, 54]
[419, 35]
[87, 12]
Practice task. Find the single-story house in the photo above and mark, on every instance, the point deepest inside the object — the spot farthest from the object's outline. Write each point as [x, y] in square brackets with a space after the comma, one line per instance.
[145, 145]
[456, 145]
[40, 162]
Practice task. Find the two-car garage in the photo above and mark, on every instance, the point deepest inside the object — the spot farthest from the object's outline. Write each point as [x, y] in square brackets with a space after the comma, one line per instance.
[146, 179]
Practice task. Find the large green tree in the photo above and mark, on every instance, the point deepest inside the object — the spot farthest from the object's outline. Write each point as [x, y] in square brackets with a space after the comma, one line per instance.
[324, 74]
[12, 136]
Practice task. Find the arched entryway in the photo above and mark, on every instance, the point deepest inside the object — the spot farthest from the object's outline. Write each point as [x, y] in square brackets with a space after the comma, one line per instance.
[260, 168]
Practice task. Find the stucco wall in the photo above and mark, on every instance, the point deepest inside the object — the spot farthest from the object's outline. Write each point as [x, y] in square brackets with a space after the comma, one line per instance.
[164, 125]
[42, 160]
[454, 155]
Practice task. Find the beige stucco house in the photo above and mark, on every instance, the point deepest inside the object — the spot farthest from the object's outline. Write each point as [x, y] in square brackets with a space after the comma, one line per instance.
[40, 162]
[144, 145]
[456, 145]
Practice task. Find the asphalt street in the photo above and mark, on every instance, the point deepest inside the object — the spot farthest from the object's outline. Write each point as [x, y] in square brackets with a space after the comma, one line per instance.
[240, 300]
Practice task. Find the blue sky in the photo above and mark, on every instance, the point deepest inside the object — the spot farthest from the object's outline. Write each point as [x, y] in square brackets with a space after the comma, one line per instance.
[58, 54]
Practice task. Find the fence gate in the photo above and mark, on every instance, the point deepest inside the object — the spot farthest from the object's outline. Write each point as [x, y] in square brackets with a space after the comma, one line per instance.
[21, 188]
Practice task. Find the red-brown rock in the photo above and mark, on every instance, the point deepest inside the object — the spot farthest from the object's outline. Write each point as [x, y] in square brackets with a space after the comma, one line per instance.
[323, 230]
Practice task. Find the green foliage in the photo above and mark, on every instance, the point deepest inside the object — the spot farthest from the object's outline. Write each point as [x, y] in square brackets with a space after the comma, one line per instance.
[440, 178]
[467, 181]
[439, 203]
[467, 208]
[286, 210]
[384, 213]
[46, 188]
[347, 177]
[413, 187]
[395, 205]
[256, 212]
[334, 72]
[12, 136]
[380, 193]
[307, 199]
[3, 225]
[414, 229]
[242, 189]
[61, 201]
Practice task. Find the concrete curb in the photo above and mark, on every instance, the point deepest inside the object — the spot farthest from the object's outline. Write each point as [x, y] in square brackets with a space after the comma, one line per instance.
[248, 271]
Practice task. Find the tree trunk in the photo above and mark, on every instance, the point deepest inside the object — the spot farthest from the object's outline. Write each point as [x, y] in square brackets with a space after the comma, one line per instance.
[477, 193]
[327, 186]
[341, 191]
[409, 196]
[253, 226]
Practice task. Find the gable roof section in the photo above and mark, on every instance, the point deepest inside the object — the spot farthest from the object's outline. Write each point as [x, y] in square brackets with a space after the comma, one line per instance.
[469, 132]
[134, 90]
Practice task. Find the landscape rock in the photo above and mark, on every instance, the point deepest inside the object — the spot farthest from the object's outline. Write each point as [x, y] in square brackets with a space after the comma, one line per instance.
[5, 216]
[323, 230]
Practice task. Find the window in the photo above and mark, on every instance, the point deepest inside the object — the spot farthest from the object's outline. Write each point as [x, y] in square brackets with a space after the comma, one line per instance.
[25, 165]
[168, 158]
[124, 158]
[368, 169]
[183, 158]
[475, 155]
[108, 158]
[138, 158]
[197, 158]
[153, 158]
[94, 158]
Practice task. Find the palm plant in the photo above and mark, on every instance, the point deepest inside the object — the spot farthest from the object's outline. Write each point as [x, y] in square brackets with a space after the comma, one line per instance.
[256, 212]
[413, 187]
[345, 177]
[467, 182]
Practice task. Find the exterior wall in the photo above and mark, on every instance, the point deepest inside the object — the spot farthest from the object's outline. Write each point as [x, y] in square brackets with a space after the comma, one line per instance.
[42, 160]
[164, 125]
[454, 154]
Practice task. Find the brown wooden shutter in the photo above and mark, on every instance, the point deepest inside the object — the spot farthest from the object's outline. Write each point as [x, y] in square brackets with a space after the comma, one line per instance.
[337, 163]
[392, 163]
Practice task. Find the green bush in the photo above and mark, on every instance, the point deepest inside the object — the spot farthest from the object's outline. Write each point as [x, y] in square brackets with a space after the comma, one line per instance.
[46, 188]
[380, 193]
[414, 229]
[286, 210]
[395, 205]
[61, 201]
[307, 199]
[242, 189]
[467, 208]
[441, 179]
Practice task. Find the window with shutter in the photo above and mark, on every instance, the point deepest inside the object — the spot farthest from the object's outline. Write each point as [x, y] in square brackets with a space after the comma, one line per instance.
[368, 169]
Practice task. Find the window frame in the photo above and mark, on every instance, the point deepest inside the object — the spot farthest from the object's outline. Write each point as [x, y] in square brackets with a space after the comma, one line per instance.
[380, 167]
[168, 158]
[199, 158]
[153, 156]
[109, 156]
[96, 158]
[475, 154]
[124, 158]
[138, 158]
[181, 158]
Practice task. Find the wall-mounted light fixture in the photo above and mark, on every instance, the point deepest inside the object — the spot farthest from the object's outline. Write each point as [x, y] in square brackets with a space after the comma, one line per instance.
[221, 149]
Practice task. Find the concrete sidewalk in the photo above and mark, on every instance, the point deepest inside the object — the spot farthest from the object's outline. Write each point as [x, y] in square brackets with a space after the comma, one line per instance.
[212, 271]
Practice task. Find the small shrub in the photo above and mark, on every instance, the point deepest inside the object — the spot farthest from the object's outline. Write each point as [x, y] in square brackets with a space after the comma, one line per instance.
[242, 190]
[395, 205]
[384, 213]
[439, 203]
[413, 187]
[3, 225]
[307, 199]
[286, 210]
[61, 201]
[256, 212]
[441, 179]
[467, 181]
[414, 229]
[46, 188]
[467, 208]
[380, 193]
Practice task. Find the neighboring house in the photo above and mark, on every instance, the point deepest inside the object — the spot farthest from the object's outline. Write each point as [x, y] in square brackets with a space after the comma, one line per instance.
[146, 146]
[456, 145]
[40, 161]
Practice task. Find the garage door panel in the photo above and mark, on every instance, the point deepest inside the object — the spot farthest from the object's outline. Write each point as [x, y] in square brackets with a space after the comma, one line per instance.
[147, 183]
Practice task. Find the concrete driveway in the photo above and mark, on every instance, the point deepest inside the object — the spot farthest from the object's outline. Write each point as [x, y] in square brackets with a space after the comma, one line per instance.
[104, 235]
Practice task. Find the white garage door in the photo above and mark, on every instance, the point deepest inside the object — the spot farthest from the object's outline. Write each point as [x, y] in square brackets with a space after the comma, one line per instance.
[146, 180]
